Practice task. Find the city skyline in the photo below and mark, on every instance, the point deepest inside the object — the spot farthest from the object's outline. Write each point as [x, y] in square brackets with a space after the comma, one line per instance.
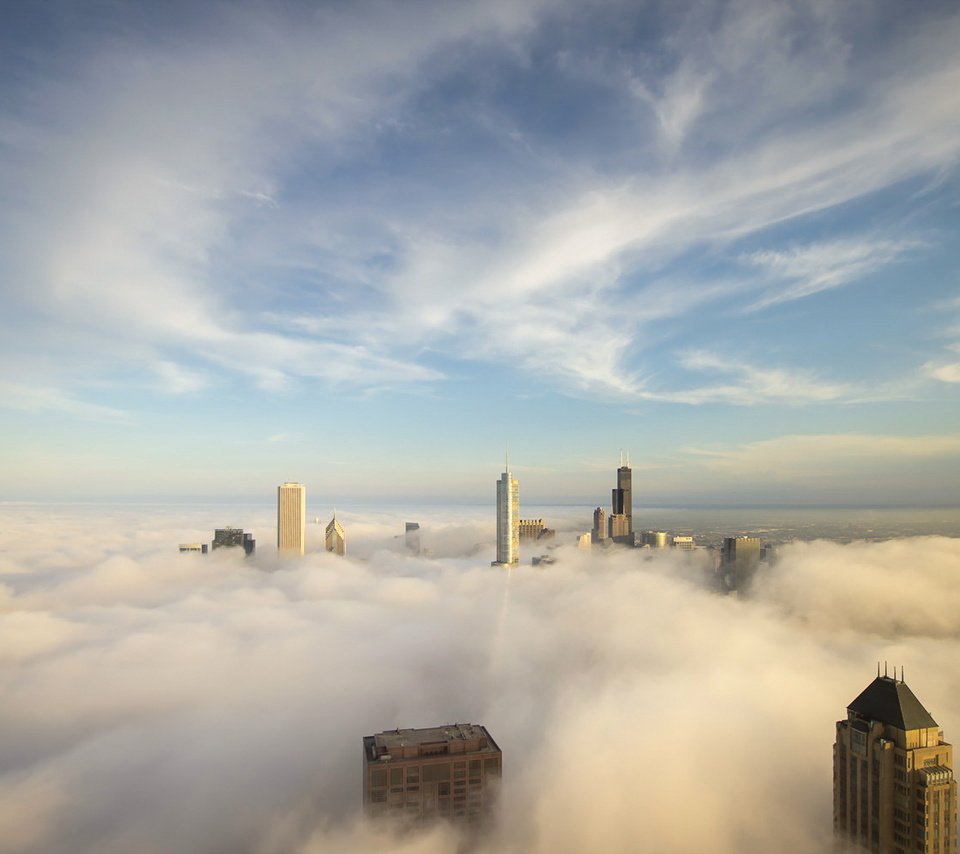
[724, 239]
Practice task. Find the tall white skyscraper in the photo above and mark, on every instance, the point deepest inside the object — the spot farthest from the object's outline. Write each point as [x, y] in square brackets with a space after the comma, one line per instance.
[291, 518]
[508, 520]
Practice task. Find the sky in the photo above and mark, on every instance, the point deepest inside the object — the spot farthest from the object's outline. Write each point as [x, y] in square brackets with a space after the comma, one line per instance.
[368, 245]
[158, 702]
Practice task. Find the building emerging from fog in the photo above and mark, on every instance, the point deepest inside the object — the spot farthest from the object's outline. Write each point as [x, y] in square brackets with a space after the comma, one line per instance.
[739, 559]
[508, 520]
[200, 548]
[532, 530]
[893, 785]
[229, 538]
[621, 517]
[656, 539]
[291, 518]
[336, 539]
[450, 772]
[599, 533]
[412, 537]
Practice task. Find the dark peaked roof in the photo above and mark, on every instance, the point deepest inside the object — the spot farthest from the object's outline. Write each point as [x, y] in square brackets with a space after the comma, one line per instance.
[892, 702]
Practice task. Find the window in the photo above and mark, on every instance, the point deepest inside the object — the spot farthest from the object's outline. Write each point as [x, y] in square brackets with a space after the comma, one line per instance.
[436, 773]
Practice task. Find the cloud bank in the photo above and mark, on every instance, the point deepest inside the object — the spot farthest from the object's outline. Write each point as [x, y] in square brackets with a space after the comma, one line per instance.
[165, 702]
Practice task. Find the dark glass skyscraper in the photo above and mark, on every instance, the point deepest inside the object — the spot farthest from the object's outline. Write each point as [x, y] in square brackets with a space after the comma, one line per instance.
[621, 519]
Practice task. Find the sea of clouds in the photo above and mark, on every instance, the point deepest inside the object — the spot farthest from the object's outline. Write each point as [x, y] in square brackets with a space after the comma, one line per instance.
[159, 702]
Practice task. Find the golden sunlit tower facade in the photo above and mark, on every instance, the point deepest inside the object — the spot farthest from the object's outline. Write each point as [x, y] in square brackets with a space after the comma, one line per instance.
[508, 520]
[893, 786]
[336, 539]
[450, 772]
[291, 518]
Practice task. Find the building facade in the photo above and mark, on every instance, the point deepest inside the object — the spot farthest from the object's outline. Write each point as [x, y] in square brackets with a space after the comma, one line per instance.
[739, 558]
[600, 531]
[656, 539]
[447, 772]
[336, 539]
[200, 548]
[411, 536]
[229, 538]
[621, 516]
[893, 786]
[291, 518]
[508, 521]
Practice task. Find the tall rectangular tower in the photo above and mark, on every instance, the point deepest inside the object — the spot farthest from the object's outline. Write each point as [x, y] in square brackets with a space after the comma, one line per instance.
[893, 786]
[621, 519]
[291, 518]
[508, 520]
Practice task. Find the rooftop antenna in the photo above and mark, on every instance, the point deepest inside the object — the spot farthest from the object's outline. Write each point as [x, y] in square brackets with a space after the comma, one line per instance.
[878, 668]
[901, 673]
[506, 456]
[884, 668]
[628, 459]
[621, 458]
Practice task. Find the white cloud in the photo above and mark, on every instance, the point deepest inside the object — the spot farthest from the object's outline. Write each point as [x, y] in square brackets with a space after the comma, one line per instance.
[816, 267]
[947, 372]
[749, 385]
[145, 682]
[814, 456]
[30, 398]
[158, 207]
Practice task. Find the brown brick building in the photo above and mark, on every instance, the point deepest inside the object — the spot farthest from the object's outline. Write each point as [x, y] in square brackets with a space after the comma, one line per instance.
[451, 772]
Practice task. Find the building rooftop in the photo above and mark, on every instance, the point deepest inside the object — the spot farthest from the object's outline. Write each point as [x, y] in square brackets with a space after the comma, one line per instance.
[892, 702]
[429, 741]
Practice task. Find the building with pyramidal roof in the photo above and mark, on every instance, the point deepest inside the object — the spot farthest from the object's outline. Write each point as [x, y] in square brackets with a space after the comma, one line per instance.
[893, 786]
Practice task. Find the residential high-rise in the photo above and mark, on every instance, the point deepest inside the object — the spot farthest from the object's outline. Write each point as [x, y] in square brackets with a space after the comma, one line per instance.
[336, 539]
[227, 538]
[291, 518]
[621, 529]
[599, 532]
[508, 520]
[450, 772]
[893, 786]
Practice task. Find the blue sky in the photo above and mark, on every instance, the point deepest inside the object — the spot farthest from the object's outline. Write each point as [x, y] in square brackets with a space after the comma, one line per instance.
[364, 245]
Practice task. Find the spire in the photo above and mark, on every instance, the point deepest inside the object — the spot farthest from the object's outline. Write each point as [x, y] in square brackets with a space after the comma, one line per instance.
[621, 458]
[506, 457]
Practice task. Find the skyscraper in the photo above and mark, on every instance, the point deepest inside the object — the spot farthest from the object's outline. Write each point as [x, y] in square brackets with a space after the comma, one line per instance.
[227, 538]
[449, 772]
[599, 532]
[893, 786]
[508, 520]
[412, 537]
[291, 518]
[621, 517]
[336, 539]
[739, 559]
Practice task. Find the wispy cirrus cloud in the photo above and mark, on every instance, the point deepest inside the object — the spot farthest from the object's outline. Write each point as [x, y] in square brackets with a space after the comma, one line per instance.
[802, 271]
[287, 171]
[744, 384]
[41, 399]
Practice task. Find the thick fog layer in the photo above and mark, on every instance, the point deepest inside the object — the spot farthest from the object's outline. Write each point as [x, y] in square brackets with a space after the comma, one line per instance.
[159, 702]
